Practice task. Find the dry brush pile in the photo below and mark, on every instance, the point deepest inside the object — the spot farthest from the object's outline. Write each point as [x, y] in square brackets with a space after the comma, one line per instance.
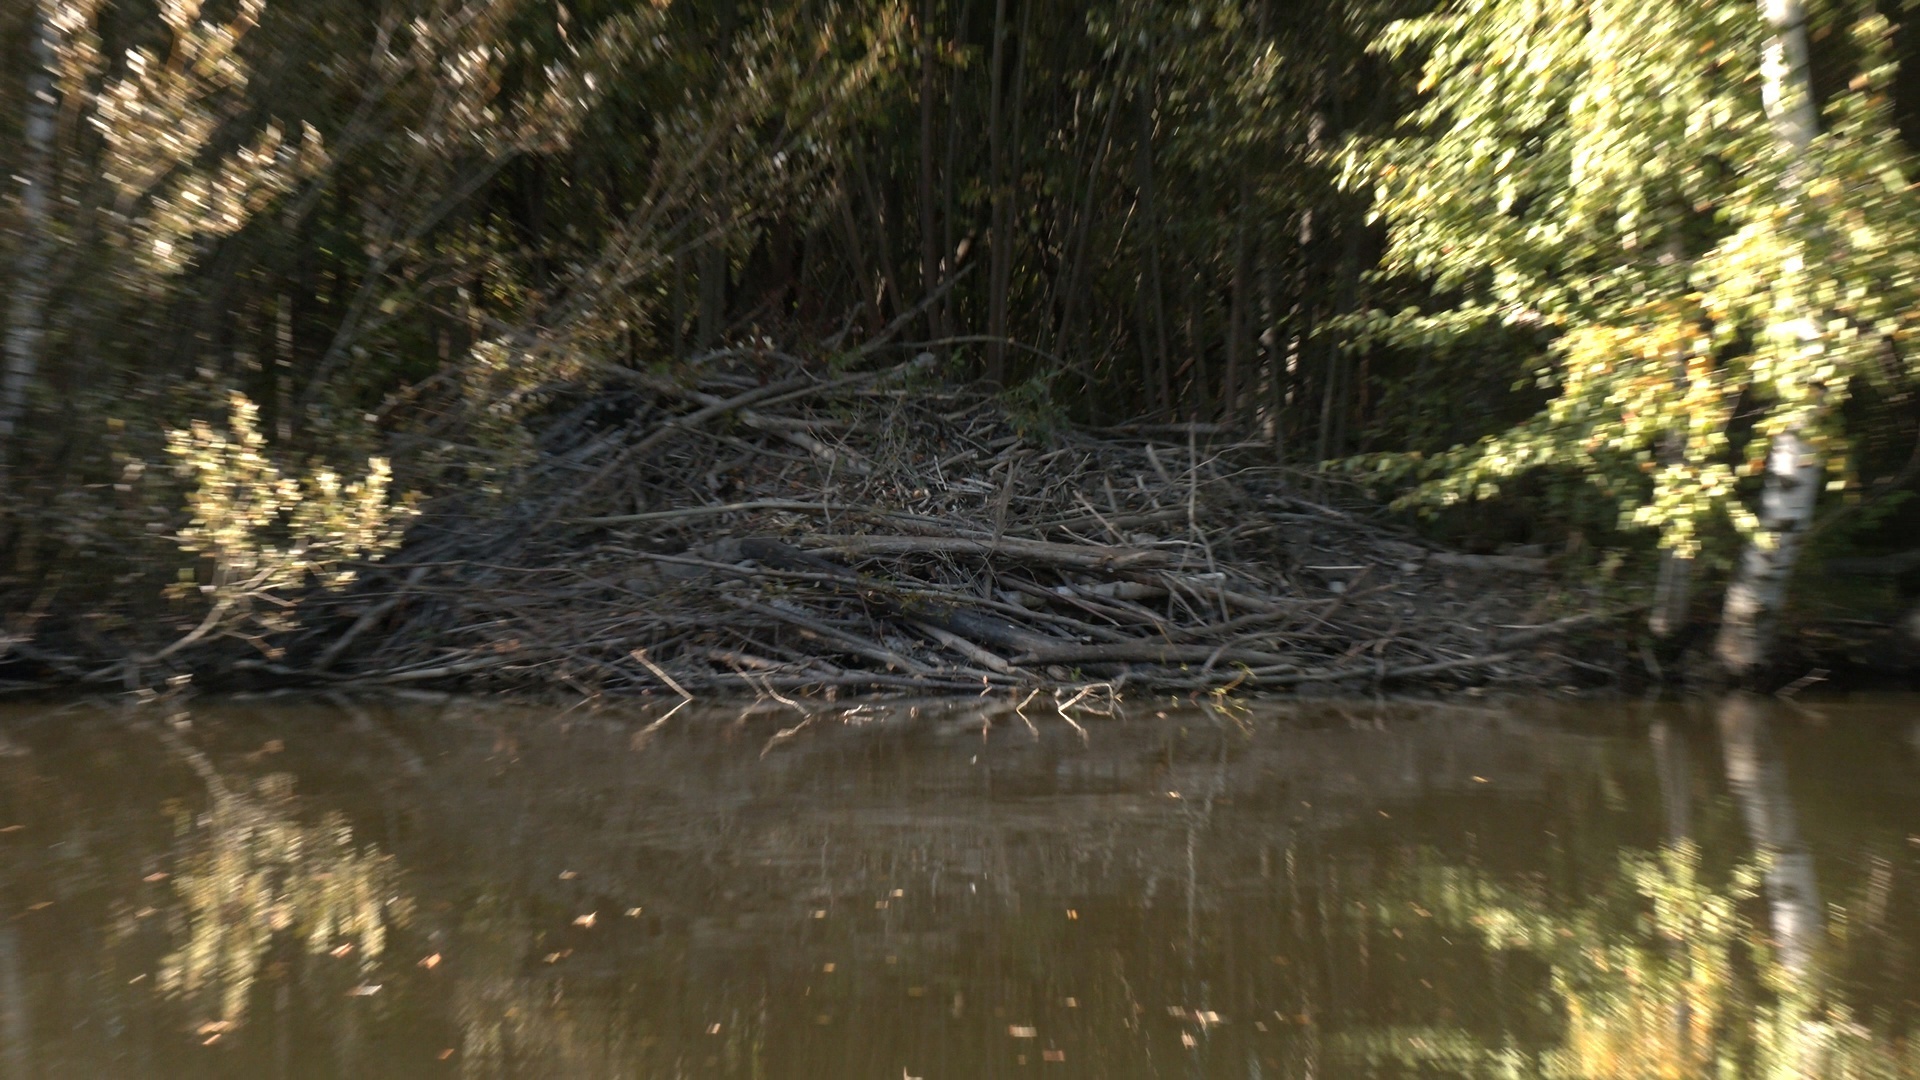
[759, 528]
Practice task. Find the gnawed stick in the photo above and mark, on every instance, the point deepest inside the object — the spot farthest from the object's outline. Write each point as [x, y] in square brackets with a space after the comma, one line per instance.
[367, 618]
[1081, 556]
[964, 647]
[870, 649]
[1148, 652]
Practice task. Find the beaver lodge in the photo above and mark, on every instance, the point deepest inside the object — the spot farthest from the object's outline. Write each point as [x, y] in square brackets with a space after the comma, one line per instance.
[763, 528]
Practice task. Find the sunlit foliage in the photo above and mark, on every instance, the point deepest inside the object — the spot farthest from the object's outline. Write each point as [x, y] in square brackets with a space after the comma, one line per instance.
[266, 532]
[1605, 174]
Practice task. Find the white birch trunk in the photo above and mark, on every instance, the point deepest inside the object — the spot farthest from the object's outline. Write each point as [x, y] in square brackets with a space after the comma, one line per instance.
[1672, 595]
[27, 307]
[1794, 471]
[1759, 590]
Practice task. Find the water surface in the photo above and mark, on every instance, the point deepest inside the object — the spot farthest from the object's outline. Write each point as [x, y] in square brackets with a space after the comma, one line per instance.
[287, 888]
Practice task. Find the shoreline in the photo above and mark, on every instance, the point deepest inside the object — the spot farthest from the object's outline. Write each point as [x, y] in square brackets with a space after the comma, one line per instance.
[780, 532]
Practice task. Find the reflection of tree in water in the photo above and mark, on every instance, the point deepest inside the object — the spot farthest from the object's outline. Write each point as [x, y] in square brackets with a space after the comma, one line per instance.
[1663, 975]
[256, 876]
[264, 874]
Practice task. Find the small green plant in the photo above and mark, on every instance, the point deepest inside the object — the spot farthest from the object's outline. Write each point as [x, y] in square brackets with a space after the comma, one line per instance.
[1031, 407]
[264, 532]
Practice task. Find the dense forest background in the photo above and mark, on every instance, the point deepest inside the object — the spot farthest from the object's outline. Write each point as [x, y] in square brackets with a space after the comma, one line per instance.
[398, 228]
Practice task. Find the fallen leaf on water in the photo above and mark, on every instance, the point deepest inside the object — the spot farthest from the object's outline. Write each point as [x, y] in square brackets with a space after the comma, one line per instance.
[430, 962]
[447, 1053]
[569, 875]
[556, 957]
[634, 912]
[157, 875]
[587, 920]
[41, 906]
[828, 968]
[1021, 1031]
[1053, 1055]
[12, 828]
[364, 990]
[342, 950]
[1186, 1040]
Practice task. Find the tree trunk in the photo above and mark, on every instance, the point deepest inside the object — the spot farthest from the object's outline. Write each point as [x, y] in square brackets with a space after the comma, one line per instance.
[1074, 300]
[27, 309]
[713, 272]
[1231, 404]
[1750, 616]
[1270, 350]
[678, 306]
[877, 209]
[1672, 595]
[1334, 390]
[998, 240]
[929, 237]
[869, 288]
[1160, 380]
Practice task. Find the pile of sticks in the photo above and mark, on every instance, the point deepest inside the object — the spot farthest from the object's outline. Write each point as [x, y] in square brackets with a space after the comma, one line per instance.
[762, 528]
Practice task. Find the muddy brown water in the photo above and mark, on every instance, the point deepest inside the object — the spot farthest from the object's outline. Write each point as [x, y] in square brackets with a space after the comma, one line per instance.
[311, 888]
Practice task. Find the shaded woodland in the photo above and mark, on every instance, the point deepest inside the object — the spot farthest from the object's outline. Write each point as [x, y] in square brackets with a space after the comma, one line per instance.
[297, 287]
